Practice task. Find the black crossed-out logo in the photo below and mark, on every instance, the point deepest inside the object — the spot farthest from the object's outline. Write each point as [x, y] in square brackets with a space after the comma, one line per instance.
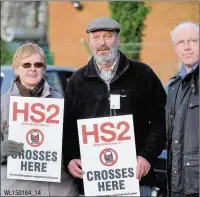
[108, 157]
[34, 137]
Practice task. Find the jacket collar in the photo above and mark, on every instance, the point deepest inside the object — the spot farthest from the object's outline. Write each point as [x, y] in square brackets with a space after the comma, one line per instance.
[123, 65]
[194, 77]
[183, 72]
[14, 91]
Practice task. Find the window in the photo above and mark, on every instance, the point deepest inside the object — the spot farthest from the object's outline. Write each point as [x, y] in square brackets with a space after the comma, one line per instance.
[54, 81]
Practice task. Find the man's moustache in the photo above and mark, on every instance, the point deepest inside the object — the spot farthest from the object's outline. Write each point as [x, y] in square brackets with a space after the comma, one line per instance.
[103, 48]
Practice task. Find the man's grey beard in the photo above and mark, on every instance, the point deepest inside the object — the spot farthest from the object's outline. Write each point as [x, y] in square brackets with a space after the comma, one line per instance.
[107, 59]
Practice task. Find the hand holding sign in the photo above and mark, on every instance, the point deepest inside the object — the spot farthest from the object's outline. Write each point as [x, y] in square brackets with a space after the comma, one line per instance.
[143, 167]
[37, 123]
[110, 168]
[75, 168]
[10, 147]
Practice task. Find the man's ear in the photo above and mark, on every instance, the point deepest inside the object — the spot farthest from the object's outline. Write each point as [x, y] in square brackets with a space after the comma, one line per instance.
[175, 49]
[118, 40]
[89, 43]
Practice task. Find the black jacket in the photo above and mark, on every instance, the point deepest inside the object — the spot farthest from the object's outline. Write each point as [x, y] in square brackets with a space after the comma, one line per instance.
[87, 96]
[182, 119]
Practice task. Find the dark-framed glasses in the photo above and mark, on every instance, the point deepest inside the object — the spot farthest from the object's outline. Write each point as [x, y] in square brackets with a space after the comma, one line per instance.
[36, 65]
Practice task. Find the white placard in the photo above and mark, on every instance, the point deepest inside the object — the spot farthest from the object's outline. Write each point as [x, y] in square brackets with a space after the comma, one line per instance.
[38, 123]
[114, 101]
[108, 156]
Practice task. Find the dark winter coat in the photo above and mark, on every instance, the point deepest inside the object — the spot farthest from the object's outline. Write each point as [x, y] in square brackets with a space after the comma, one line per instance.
[87, 96]
[182, 119]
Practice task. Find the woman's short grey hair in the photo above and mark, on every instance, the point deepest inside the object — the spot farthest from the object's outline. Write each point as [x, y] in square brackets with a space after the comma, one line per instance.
[181, 24]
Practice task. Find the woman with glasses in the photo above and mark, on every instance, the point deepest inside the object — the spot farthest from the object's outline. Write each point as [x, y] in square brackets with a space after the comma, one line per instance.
[29, 64]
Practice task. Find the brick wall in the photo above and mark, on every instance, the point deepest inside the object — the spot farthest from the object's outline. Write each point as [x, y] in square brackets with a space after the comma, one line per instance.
[67, 27]
[157, 49]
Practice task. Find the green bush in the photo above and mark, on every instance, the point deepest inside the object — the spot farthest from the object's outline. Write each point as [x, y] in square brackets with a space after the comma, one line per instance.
[6, 55]
[131, 16]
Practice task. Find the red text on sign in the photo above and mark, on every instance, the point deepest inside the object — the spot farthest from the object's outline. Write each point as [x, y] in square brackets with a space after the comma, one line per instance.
[112, 132]
[36, 109]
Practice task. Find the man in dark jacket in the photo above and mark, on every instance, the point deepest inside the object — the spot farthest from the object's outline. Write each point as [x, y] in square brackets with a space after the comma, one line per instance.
[182, 114]
[141, 94]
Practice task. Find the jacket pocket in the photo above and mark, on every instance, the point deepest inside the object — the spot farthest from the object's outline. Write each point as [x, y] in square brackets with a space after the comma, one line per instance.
[191, 125]
[191, 173]
[193, 102]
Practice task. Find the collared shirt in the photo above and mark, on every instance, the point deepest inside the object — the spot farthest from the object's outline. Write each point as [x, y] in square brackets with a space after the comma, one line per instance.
[111, 66]
[183, 72]
[107, 75]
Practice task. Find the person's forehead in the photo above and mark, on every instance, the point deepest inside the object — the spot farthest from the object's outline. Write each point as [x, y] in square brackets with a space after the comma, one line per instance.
[186, 31]
[29, 56]
[101, 32]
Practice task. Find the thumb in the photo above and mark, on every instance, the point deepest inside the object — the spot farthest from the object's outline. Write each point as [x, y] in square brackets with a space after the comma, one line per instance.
[78, 162]
[138, 171]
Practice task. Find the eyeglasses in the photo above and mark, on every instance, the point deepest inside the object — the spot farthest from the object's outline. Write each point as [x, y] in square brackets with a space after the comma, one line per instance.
[191, 42]
[36, 65]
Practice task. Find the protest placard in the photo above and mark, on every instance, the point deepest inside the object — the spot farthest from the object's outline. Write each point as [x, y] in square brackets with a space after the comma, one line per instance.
[38, 124]
[108, 156]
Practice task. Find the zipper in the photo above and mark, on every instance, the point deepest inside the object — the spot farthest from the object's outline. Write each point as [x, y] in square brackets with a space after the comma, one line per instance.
[108, 88]
[184, 122]
[112, 111]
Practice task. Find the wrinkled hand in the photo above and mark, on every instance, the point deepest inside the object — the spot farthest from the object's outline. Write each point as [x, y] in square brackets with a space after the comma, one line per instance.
[143, 167]
[75, 168]
[10, 147]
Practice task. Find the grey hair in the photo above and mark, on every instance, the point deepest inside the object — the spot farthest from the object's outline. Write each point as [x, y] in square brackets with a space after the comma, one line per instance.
[181, 24]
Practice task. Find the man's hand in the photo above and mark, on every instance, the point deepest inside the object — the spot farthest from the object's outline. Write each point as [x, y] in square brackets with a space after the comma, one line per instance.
[143, 167]
[10, 147]
[75, 168]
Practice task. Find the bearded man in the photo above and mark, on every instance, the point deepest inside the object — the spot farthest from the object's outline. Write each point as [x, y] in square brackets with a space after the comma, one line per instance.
[110, 72]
